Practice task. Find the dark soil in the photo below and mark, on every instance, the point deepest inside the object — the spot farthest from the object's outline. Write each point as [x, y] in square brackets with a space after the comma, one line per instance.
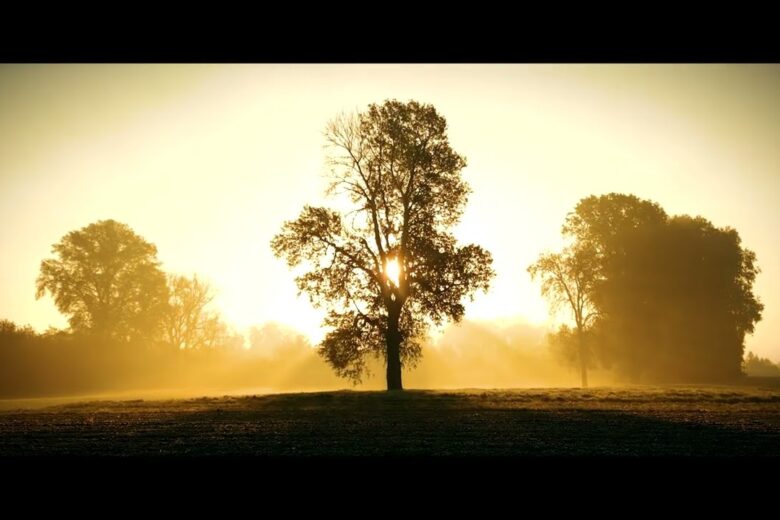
[678, 421]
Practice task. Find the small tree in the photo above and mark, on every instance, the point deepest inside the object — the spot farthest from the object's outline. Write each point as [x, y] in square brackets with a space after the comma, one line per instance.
[187, 323]
[568, 279]
[107, 280]
[391, 265]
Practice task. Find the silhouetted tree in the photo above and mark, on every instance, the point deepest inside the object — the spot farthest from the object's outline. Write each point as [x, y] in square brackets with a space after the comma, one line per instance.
[674, 295]
[390, 265]
[566, 345]
[680, 301]
[568, 280]
[601, 222]
[603, 225]
[760, 367]
[10, 329]
[187, 323]
[107, 280]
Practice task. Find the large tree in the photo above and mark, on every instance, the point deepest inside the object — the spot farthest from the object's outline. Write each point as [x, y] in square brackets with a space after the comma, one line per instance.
[674, 295]
[107, 280]
[388, 266]
[680, 302]
[603, 227]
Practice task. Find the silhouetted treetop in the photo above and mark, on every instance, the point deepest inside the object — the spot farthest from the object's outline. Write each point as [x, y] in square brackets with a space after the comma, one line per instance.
[107, 279]
[602, 221]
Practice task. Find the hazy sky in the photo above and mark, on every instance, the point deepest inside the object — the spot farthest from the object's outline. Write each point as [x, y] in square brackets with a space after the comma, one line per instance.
[207, 162]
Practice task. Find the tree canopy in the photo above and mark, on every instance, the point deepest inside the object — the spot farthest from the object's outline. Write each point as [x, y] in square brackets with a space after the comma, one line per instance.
[107, 280]
[673, 295]
[679, 301]
[390, 266]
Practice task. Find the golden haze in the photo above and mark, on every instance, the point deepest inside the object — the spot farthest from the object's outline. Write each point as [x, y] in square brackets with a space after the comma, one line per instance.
[205, 161]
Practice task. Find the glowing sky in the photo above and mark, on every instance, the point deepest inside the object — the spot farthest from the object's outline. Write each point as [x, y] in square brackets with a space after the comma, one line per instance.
[208, 161]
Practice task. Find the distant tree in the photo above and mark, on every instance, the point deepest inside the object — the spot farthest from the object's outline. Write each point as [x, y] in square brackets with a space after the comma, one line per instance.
[673, 294]
[703, 295]
[9, 328]
[568, 280]
[187, 322]
[275, 340]
[760, 367]
[390, 266]
[608, 225]
[217, 334]
[566, 345]
[107, 280]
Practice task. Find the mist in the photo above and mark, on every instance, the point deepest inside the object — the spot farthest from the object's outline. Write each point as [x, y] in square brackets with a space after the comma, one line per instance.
[485, 354]
[274, 358]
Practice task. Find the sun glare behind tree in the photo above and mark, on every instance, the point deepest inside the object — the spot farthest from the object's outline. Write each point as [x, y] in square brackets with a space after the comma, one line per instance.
[395, 165]
[393, 271]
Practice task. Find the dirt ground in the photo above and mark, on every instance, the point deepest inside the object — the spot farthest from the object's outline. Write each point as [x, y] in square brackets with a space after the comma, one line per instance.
[635, 421]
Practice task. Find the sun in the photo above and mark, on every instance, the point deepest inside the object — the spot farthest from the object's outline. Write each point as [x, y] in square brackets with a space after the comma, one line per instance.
[392, 270]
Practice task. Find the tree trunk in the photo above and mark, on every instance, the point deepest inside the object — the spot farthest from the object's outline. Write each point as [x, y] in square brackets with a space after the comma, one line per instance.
[393, 351]
[583, 359]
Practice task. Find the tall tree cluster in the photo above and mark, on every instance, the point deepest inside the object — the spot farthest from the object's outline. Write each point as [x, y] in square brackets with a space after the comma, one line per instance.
[669, 298]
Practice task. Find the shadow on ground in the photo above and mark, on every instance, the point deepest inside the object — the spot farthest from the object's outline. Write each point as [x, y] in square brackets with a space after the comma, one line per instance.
[681, 421]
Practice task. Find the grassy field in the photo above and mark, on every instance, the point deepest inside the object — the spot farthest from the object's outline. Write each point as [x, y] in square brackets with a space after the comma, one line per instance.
[634, 421]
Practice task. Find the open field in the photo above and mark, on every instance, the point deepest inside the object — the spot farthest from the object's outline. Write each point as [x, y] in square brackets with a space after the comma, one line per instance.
[641, 421]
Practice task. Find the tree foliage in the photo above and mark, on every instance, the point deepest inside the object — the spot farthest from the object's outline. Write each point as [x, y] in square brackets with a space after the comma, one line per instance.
[680, 301]
[390, 266]
[673, 295]
[107, 280]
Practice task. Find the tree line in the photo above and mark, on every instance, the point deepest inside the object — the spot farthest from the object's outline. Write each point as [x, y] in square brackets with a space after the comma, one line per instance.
[62, 362]
[651, 296]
